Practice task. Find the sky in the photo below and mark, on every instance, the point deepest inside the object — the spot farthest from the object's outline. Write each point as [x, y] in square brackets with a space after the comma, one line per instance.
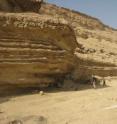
[105, 10]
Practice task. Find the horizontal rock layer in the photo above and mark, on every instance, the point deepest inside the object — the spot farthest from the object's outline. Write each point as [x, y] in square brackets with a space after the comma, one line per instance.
[35, 50]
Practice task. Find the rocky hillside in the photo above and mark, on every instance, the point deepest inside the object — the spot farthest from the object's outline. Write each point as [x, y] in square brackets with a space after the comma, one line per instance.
[72, 16]
[98, 42]
[97, 49]
[43, 48]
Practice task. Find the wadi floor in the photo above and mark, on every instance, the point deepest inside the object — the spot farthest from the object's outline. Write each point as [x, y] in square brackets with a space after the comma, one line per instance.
[84, 106]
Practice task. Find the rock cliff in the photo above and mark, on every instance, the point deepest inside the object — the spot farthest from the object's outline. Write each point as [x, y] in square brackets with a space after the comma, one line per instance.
[41, 49]
[98, 42]
[97, 49]
[35, 50]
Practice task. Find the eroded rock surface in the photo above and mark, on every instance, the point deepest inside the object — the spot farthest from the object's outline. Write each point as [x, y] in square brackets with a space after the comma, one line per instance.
[35, 50]
[20, 5]
[97, 50]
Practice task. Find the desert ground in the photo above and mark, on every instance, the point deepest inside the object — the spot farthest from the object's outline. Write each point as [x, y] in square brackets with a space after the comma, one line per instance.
[60, 106]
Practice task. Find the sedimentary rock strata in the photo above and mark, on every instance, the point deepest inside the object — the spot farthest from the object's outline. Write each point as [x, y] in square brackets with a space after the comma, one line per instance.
[40, 47]
[35, 50]
[97, 42]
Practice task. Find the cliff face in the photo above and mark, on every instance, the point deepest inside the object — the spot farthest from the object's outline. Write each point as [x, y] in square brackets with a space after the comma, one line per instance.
[97, 49]
[98, 42]
[35, 50]
[41, 49]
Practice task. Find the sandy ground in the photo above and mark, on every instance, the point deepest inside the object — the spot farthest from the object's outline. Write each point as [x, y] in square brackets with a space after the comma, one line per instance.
[84, 106]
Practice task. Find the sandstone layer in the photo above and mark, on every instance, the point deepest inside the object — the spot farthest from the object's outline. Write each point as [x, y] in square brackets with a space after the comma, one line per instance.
[35, 50]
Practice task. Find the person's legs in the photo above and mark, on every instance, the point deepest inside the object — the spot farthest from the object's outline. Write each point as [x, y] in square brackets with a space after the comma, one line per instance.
[94, 84]
[104, 82]
[93, 81]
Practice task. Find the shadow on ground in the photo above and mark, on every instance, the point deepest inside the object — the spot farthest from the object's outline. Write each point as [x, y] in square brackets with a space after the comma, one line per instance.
[6, 93]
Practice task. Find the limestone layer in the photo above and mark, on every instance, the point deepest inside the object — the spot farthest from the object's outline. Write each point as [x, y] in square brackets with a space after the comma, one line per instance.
[35, 50]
